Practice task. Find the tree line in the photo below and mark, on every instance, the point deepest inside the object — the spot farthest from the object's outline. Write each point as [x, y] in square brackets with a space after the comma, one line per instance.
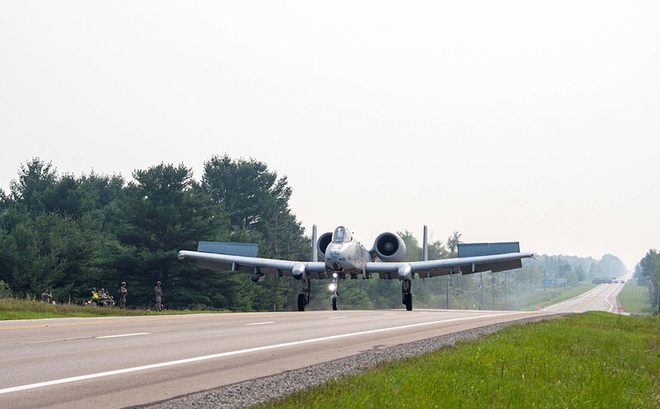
[647, 272]
[69, 234]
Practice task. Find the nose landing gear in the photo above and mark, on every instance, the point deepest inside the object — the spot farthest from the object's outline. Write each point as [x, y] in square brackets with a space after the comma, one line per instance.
[334, 287]
[304, 296]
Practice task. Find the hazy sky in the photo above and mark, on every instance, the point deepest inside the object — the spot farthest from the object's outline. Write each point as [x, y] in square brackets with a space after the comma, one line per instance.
[508, 120]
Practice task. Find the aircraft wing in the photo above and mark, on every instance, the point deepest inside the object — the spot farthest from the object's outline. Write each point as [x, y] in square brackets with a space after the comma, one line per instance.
[464, 265]
[473, 258]
[228, 262]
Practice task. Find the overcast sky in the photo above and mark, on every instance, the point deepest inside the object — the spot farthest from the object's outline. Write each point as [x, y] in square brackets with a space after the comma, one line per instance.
[507, 120]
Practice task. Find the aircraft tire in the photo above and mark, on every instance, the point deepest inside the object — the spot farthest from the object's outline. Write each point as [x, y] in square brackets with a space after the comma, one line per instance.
[407, 301]
[301, 302]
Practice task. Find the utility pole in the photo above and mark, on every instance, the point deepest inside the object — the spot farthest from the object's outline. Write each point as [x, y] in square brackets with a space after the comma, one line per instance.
[448, 286]
[493, 281]
[482, 290]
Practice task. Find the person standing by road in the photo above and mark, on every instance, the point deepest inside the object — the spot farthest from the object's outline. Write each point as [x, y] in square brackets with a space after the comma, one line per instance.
[95, 297]
[159, 297]
[122, 295]
[46, 296]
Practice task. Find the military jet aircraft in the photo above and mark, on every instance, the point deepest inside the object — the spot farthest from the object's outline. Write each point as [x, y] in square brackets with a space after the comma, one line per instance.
[346, 257]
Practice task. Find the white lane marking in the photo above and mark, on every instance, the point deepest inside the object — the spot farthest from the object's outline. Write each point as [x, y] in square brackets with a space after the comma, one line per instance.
[234, 353]
[612, 307]
[260, 323]
[340, 317]
[123, 335]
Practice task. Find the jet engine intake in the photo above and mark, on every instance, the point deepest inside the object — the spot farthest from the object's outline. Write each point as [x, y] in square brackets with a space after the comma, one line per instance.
[323, 242]
[389, 247]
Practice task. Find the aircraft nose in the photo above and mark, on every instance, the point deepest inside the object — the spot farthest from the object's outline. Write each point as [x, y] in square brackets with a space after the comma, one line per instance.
[334, 261]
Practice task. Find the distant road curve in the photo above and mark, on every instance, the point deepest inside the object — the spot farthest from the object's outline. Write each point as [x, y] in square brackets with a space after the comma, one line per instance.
[603, 297]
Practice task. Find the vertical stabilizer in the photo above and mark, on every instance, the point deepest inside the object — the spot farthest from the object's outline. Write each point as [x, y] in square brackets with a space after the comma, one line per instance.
[425, 245]
[425, 252]
[315, 250]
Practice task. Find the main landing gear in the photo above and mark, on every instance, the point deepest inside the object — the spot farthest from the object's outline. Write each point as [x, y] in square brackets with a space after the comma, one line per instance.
[406, 296]
[303, 298]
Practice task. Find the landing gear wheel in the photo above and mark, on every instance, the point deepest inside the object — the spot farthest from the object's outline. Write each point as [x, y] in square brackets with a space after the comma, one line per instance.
[334, 303]
[406, 296]
[301, 302]
[407, 301]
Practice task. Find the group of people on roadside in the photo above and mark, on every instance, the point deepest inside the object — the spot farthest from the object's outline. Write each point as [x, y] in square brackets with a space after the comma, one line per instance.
[123, 293]
[103, 298]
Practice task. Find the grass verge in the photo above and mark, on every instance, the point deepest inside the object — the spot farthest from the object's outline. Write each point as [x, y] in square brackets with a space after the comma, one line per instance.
[14, 309]
[635, 299]
[591, 360]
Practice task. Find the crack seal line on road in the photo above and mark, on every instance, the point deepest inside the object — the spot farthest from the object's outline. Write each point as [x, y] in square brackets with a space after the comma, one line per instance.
[135, 334]
[233, 353]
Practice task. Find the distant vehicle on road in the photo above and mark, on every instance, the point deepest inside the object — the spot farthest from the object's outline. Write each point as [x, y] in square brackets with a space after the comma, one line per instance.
[602, 281]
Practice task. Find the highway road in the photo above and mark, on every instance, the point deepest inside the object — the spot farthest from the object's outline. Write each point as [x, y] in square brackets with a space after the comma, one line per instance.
[603, 297]
[119, 362]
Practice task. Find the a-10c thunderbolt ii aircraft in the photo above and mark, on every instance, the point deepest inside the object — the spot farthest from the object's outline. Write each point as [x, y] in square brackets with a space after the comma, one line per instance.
[346, 257]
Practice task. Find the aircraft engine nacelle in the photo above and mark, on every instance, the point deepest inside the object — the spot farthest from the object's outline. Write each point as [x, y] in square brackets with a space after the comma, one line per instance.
[389, 247]
[298, 271]
[323, 242]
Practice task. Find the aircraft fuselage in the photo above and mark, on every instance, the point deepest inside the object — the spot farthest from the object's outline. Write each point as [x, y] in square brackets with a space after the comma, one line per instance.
[346, 257]
[343, 255]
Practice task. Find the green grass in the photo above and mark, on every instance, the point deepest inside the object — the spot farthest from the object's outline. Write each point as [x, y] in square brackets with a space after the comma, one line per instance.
[591, 360]
[14, 309]
[635, 299]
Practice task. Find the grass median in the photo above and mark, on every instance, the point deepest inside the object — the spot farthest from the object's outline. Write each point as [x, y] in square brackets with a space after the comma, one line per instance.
[591, 360]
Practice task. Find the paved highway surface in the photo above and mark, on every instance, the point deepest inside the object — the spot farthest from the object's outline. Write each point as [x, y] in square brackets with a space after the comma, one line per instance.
[119, 362]
[603, 297]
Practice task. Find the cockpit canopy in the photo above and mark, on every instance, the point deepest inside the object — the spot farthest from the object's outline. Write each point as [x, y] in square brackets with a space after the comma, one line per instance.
[341, 235]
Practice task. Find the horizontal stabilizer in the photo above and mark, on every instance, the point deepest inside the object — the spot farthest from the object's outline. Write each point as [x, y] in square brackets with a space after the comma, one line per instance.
[490, 249]
[217, 247]
[487, 249]
[235, 249]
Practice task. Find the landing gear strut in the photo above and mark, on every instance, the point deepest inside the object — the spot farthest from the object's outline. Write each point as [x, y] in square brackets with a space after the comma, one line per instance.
[303, 298]
[334, 287]
[406, 296]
